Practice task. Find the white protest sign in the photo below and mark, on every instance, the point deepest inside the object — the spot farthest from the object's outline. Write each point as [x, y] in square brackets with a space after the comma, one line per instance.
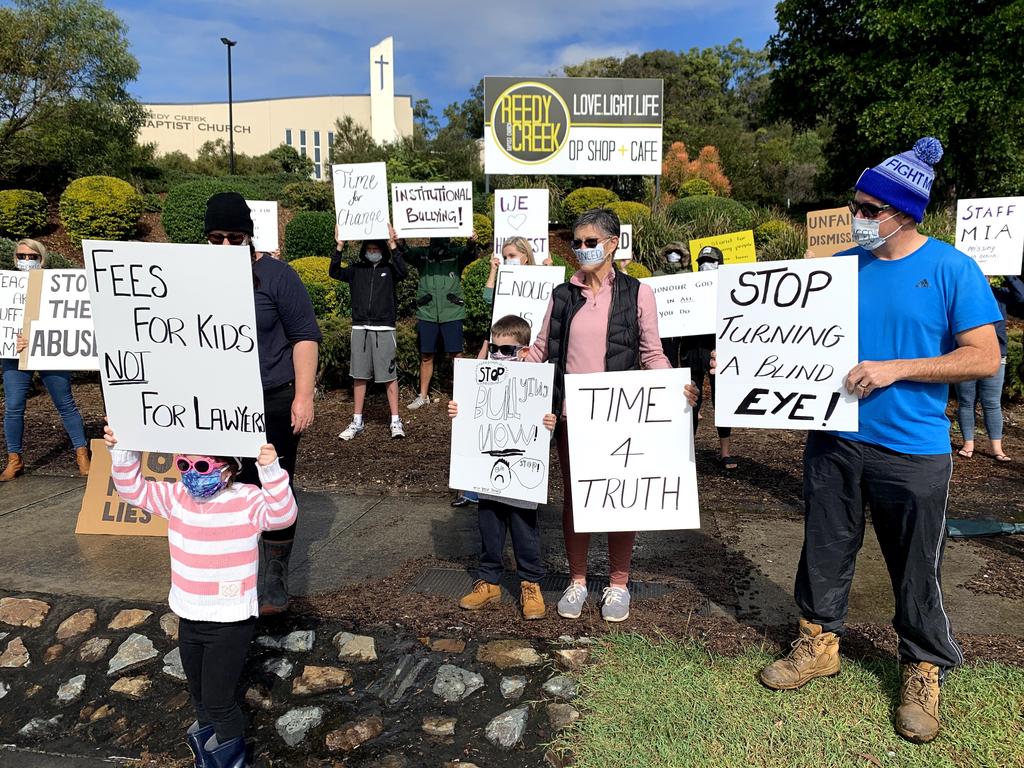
[525, 291]
[264, 224]
[176, 334]
[361, 200]
[787, 337]
[631, 451]
[687, 303]
[991, 231]
[522, 213]
[58, 322]
[625, 249]
[433, 209]
[500, 445]
[13, 290]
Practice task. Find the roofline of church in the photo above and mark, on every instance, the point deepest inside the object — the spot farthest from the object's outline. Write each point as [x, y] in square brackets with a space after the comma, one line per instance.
[277, 98]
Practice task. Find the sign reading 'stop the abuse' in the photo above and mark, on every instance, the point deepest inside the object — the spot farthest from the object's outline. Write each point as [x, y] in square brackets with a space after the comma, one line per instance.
[573, 126]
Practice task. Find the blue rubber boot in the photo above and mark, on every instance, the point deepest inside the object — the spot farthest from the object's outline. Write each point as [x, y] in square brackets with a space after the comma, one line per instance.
[196, 738]
[230, 754]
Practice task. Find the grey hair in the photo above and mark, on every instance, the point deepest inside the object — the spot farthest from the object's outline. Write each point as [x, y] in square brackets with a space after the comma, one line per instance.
[604, 219]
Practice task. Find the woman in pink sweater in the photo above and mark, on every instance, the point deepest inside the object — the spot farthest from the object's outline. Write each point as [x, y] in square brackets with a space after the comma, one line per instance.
[601, 320]
[213, 530]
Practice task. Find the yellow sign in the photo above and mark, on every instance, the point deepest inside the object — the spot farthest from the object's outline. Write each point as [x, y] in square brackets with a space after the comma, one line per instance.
[828, 232]
[734, 248]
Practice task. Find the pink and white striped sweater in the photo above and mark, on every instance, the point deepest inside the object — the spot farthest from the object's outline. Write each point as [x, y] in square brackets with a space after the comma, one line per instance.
[213, 543]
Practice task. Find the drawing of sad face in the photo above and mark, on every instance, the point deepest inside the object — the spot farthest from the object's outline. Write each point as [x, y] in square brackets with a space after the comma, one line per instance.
[501, 475]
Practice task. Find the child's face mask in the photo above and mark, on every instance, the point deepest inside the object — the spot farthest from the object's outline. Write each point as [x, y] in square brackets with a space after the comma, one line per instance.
[374, 256]
[202, 478]
[506, 352]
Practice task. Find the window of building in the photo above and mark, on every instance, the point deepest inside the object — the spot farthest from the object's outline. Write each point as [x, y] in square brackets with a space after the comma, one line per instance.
[316, 154]
[330, 146]
[317, 168]
[316, 138]
[302, 137]
[288, 136]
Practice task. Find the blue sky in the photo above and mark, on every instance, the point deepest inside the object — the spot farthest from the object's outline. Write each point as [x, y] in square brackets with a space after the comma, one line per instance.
[309, 47]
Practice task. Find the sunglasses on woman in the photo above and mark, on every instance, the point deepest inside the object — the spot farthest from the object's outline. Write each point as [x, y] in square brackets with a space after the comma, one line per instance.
[507, 350]
[203, 466]
[234, 238]
[26, 256]
[590, 242]
[867, 210]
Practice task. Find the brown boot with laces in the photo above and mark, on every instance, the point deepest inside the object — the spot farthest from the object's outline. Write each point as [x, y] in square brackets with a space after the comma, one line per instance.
[531, 600]
[917, 717]
[815, 654]
[483, 593]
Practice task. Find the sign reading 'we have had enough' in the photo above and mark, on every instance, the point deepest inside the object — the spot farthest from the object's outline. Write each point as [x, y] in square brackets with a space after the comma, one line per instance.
[176, 336]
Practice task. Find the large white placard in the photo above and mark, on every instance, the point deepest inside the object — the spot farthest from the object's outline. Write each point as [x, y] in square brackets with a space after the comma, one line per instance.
[176, 334]
[433, 208]
[361, 200]
[59, 326]
[991, 231]
[687, 303]
[787, 338]
[525, 291]
[522, 213]
[264, 224]
[631, 451]
[500, 445]
[625, 250]
[13, 290]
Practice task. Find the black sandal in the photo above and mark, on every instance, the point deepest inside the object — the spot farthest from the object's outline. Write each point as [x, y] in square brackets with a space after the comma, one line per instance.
[728, 463]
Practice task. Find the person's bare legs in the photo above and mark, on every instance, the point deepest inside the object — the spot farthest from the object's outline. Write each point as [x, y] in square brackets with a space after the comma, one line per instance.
[392, 390]
[358, 395]
[726, 444]
[426, 372]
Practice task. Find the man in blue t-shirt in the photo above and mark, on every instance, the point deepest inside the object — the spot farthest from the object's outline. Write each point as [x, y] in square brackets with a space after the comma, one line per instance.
[926, 321]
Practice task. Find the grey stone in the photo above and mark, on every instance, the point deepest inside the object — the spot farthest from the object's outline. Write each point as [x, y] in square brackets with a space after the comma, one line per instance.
[562, 715]
[71, 690]
[39, 726]
[93, 649]
[571, 658]
[439, 726]
[513, 687]
[173, 667]
[455, 684]
[4, 689]
[293, 725]
[299, 642]
[281, 667]
[169, 624]
[507, 729]
[266, 641]
[400, 679]
[565, 639]
[133, 653]
[354, 647]
[16, 654]
[561, 687]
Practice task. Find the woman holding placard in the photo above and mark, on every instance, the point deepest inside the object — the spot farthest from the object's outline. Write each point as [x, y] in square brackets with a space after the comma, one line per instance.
[29, 255]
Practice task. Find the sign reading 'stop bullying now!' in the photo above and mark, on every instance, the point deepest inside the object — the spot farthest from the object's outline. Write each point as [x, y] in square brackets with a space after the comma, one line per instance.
[573, 126]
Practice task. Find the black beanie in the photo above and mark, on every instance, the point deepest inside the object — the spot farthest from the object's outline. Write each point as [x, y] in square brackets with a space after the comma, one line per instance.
[228, 211]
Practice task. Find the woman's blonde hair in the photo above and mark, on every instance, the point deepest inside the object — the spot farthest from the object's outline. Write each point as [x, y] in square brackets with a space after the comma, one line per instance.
[522, 245]
[36, 246]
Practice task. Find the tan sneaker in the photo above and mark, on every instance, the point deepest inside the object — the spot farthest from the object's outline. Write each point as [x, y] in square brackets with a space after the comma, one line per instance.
[531, 600]
[15, 468]
[917, 717]
[815, 654]
[482, 594]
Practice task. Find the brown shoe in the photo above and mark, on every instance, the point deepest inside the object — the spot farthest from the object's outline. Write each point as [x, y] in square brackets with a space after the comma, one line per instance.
[482, 594]
[82, 457]
[917, 717]
[815, 654]
[15, 468]
[531, 600]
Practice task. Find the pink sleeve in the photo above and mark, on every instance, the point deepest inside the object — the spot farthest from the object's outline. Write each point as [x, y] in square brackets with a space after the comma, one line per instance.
[539, 349]
[651, 354]
[274, 506]
[154, 496]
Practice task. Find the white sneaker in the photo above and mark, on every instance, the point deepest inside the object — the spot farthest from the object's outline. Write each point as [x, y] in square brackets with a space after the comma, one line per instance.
[570, 606]
[397, 430]
[419, 402]
[351, 431]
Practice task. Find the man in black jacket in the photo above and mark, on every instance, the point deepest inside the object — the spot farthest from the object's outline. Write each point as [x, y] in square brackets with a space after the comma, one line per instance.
[372, 280]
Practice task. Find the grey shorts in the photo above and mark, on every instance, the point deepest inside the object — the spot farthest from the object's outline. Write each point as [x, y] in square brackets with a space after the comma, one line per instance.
[373, 355]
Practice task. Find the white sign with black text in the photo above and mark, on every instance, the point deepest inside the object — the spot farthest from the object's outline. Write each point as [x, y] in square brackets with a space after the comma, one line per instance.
[522, 213]
[433, 209]
[687, 303]
[13, 292]
[264, 225]
[625, 249]
[59, 327]
[991, 231]
[361, 200]
[525, 291]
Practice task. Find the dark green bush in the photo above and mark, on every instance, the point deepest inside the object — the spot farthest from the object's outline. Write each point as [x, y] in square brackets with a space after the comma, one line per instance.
[22, 213]
[690, 209]
[152, 203]
[583, 199]
[185, 208]
[100, 207]
[335, 352]
[56, 260]
[6, 253]
[1013, 386]
[309, 233]
[405, 293]
[308, 196]
[329, 296]
[477, 325]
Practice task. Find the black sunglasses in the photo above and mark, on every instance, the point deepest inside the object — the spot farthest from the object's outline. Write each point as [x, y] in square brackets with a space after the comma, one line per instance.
[590, 242]
[870, 210]
[508, 350]
[26, 256]
[218, 238]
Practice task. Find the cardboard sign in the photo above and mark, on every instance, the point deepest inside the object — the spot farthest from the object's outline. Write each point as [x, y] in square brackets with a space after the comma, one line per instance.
[687, 303]
[58, 322]
[103, 511]
[787, 338]
[573, 126]
[991, 231]
[361, 200]
[631, 451]
[500, 445]
[625, 250]
[522, 213]
[525, 291]
[829, 231]
[176, 334]
[13, 296]
[264, 224]
[735, 248]
[433, 209]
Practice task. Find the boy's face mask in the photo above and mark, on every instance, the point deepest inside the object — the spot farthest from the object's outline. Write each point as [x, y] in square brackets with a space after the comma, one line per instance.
[504, 352]
[374, 256]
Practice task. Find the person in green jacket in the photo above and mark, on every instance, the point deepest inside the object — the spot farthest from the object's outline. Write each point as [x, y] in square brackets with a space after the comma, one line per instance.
[440, 304]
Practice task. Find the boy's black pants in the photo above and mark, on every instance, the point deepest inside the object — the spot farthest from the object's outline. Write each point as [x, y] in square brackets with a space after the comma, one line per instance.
[495, 519]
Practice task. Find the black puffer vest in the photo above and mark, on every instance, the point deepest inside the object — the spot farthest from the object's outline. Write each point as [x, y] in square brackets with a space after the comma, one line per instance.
[622, 348]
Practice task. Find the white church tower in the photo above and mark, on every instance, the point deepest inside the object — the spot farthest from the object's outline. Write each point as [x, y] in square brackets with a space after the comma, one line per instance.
[382, 92]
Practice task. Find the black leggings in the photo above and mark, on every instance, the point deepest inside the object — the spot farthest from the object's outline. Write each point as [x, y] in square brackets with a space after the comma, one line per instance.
[694, 352]
[213, 655]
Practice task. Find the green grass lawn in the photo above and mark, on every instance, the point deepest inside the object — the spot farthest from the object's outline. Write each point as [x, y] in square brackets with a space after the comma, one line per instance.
[665, 703]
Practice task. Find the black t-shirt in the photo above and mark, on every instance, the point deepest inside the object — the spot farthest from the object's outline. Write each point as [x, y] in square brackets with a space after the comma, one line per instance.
[284, 316]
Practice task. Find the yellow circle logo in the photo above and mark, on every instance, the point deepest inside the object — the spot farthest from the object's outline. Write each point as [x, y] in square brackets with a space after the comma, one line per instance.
[530, 122]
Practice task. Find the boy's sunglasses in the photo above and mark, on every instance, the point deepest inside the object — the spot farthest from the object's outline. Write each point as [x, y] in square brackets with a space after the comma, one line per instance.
[218, 238]
[590, 242]
[870, 210]
[203, 466]
[508, 350]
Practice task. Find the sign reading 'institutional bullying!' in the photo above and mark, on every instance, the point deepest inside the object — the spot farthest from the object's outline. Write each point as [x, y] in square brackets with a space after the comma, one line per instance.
[573, 126]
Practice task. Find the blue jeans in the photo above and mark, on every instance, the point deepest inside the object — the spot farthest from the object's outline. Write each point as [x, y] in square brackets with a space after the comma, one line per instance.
[16, 387]
[989, 391]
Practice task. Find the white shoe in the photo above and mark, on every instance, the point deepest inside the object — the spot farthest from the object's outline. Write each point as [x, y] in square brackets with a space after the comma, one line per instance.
[351, 431]
[397, 430]
[419, 402]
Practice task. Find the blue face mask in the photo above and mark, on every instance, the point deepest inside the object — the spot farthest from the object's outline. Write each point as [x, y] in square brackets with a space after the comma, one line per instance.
[588, 257]
[203, 486]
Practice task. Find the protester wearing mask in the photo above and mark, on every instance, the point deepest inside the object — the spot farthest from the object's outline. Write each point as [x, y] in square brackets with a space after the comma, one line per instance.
[29, 255]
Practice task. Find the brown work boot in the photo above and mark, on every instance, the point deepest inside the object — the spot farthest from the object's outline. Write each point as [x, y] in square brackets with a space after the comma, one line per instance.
[815, 654]
[482, 594]
[82, 457]
[917, 717]
[15, 467]
[531, 600]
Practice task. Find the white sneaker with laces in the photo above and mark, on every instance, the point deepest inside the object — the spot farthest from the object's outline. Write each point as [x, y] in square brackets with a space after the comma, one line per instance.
[351, 431]
[615, 604]
[419, 402]
[397, 430]
[571, 604]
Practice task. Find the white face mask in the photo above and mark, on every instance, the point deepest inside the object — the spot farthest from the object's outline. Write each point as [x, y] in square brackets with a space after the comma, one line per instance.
[673, 257]
[26, 264]
[865, 232]
[590, 257]
[708, 266]
[513, 261]
[373, 256]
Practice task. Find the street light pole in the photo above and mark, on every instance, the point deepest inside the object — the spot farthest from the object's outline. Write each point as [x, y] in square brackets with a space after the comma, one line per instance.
[231, 117]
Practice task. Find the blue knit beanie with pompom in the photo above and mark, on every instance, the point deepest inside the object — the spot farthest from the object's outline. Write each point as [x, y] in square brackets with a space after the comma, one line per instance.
[904, 181]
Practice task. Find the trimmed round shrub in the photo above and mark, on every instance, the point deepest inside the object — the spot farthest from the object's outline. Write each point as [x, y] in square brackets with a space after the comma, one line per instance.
[335, 352]
[637, 270]
[477, 325]
[630, 212]
[185, 209]
[56, 260]
[405, 293]
[688, 210]
[766, 232]
[7, 253]
[697, 187]
[100, 207]
[22, 213]
[308, 196]
[329, 296]
[585, 198]
[309, 233]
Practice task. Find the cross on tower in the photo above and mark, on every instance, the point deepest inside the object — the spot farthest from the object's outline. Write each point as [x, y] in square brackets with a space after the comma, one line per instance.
[382, 64]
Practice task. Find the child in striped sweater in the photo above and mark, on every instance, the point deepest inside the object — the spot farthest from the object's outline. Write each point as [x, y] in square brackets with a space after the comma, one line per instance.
[213, 529]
